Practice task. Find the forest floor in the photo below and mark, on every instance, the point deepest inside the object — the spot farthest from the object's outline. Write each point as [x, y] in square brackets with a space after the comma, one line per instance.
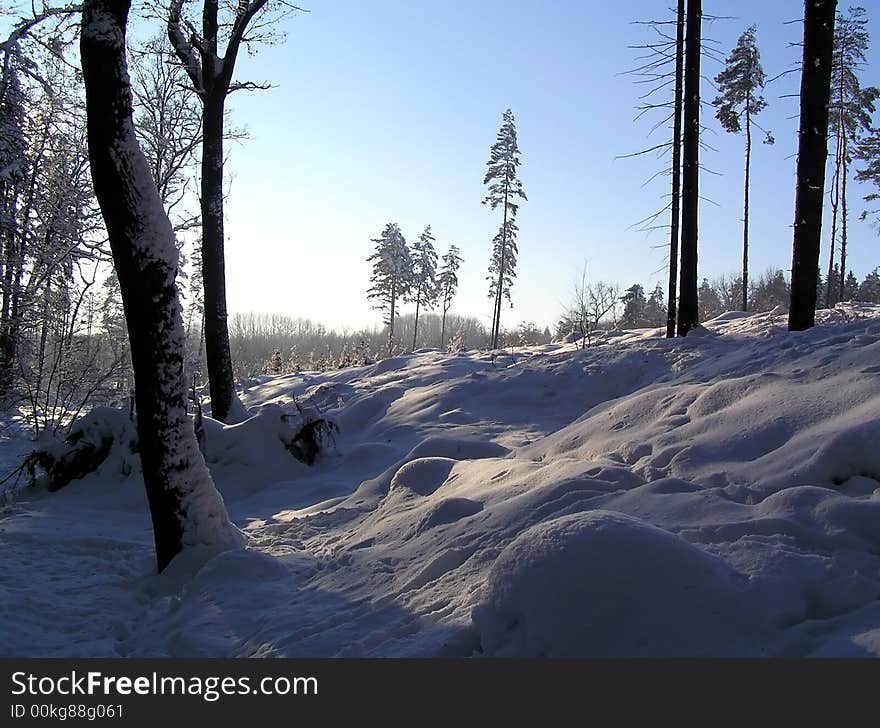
[717, 495]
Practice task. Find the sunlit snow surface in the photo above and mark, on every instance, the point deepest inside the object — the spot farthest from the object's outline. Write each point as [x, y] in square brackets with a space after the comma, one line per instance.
[715, 495]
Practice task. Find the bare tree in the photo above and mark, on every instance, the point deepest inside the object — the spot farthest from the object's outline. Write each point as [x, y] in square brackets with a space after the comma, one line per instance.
[186, 509]
[211, 74]
[812, 153]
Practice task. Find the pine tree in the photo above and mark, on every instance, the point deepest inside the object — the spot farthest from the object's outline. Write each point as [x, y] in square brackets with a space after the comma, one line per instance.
[868, 151]
[392, 274]
[447, 285]
[869, 289]
[850, 109]
[688, 308]
[424, 291]
[740, 84]
[634, 305]
[850, 287]
[655, 308]
[812, 153]
[502, 271]
[504, 189]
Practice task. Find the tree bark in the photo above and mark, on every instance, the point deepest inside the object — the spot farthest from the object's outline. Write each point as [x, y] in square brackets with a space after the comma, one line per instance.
[745, 290]
[186, 509]
[416, 324]
[218, 358]
[812, 152]
[688, 309]
[671, 309]
[498, 294]
[843, 174]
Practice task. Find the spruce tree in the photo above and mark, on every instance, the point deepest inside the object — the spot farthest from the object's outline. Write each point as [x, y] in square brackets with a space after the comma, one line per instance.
[447, 286]
[740, 85]
[392, 274]
[504, 189]
[424, 290]
[868, 152]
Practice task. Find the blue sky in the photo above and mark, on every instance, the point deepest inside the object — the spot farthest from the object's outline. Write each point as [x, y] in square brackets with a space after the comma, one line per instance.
[385, 111]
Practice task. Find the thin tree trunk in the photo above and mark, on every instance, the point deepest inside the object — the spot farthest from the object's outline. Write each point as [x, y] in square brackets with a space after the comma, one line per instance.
[443, 330]
[416, 324]
[688, 310]
[745, 291]
[391, 319]
[671, 309]
[843, 176]
[812, 154]
[186, 509]
[498, 293]
[835, 198]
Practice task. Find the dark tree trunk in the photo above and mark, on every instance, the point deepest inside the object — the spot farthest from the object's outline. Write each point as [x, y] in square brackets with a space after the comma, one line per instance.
[443, 330]
[186, 509]
[496, 329]
[416, 324]
[672, 306]
[843, 220]
[745, 290]
[688, 309]
[391, 318]
[218, 358]
[835, 197]
[812, 152]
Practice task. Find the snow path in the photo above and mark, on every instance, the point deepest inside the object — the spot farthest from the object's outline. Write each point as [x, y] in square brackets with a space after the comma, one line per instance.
[717, 495]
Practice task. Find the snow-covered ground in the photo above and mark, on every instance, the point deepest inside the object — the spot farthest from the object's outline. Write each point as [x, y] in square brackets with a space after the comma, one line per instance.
[714, 495]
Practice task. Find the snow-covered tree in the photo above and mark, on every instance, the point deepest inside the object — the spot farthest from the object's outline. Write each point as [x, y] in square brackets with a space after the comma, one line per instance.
[868, 152]
[504, 189]
[869, 289]
[392, 274]
[424, 291]
[186, 509]
[447, 286]
[634, 305]
[850, 109]
[655, 308]
[740, 100]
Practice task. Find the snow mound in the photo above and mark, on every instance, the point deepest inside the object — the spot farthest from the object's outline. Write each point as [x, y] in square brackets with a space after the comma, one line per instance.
[602, 584]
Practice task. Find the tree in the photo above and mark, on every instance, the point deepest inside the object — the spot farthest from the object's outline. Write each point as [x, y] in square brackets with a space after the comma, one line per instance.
[740, 85]
[634, 305]
[868, 151]
[447, 285]
[850, 109]
[186, 509]
[869, 289]
[812, 153]
[211, 75]
[504, 188]
[655, 310]
[392, 274]
[688, 307]
[710, 302]
[424, 291]
[502, 270]
[674, 232]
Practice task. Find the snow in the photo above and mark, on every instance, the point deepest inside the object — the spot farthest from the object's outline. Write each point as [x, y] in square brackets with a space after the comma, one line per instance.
[713, 495]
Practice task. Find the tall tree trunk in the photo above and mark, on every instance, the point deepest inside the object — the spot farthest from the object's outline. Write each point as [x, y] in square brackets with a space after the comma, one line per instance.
[186, 509]
[443, 330]
[498, 293]
[835, 199]
[843, 174]
[688, 309]
[812, 153]
[745, 291]
[225, 405]
[672, 305]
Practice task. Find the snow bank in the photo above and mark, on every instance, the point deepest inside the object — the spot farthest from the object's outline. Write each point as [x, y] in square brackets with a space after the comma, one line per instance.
[602, 584]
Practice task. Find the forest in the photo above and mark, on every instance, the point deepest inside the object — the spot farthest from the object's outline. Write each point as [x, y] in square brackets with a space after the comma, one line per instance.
[467, 461]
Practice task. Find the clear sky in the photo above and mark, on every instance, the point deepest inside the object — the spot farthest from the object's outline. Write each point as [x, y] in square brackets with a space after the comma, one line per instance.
[385, 111]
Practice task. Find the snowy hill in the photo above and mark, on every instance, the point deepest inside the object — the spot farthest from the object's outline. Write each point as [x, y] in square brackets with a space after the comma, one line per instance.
[714, 495]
